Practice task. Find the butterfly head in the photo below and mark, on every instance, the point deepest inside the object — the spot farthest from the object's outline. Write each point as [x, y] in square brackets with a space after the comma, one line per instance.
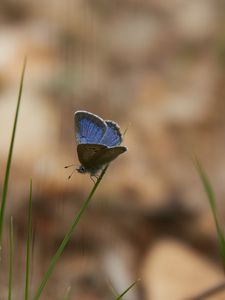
[81, 169]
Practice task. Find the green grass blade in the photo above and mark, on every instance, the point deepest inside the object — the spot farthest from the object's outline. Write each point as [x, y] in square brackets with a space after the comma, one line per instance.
[28, 250]
[67, 293]
[212, 201]
[128, 289]
[11, 246]
[112, 289]
[9, 160]
[67, 237]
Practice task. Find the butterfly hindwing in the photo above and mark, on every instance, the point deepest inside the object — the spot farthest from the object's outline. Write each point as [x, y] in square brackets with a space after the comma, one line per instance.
[86, 153]
[112, 136]
[105, 156]
[89, 128]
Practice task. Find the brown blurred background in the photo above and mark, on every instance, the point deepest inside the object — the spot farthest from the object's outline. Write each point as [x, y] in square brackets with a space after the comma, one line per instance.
[157, 65]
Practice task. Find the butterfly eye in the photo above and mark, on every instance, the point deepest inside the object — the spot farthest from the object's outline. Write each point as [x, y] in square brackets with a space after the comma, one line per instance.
[81, 170]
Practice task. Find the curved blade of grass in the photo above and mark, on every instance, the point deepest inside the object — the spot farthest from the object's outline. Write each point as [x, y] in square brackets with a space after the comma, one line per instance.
[212, 201]
[29, 240]
[67, 237]
[9, 160]
[128, 289]
[11, 246]
[112, 289]
[67, 293]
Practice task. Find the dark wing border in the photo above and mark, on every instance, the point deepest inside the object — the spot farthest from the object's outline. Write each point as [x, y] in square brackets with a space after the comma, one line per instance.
[113, 136]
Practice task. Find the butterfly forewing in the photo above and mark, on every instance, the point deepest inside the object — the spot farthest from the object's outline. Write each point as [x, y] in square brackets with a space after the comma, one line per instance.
[89, 128]
[112, 136]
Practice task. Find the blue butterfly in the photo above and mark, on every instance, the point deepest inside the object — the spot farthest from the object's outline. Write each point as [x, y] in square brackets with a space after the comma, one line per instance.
[98, 142]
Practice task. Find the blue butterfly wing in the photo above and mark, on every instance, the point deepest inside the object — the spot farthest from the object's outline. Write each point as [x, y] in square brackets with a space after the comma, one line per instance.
[112, 136]
[89, 128]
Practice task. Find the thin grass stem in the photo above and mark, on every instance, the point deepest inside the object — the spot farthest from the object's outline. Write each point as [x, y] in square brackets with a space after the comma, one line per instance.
[67, 237]
[112, 289]
[28, 245]
[11, 246]
[67, 293]
[10, 153]
[128, 289]
[212, 202]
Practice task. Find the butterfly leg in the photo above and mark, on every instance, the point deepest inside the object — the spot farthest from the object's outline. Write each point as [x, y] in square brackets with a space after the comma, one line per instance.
[92, 176]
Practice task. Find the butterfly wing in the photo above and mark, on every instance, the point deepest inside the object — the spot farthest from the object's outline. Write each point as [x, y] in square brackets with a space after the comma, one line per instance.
[106, 155]
[89, 128]
[87, 152]
[112, 136]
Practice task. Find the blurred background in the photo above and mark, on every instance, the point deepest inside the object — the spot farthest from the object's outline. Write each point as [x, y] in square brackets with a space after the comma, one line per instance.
[155, 66]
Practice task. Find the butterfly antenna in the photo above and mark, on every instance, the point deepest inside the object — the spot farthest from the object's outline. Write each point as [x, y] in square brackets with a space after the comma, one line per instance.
[69, 166]
[71, 174]
[125, 131]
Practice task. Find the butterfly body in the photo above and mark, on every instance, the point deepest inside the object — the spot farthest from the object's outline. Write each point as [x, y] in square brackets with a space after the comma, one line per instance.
[98, 142]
